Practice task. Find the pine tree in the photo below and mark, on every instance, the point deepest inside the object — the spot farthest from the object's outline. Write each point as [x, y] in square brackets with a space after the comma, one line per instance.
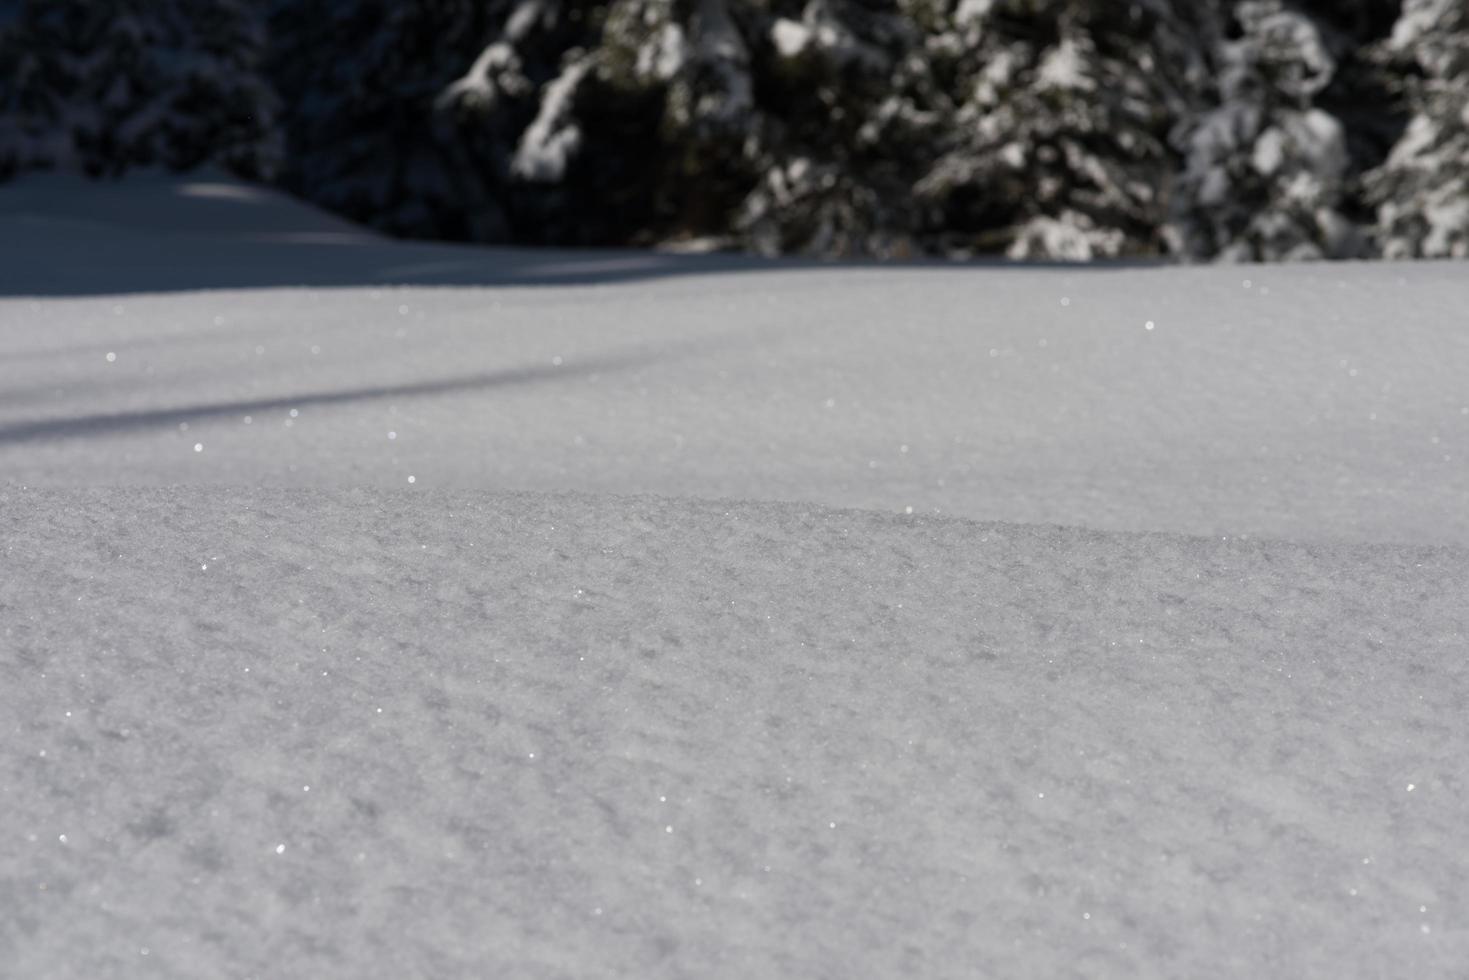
[104, 87]
[1422, 190]
[360, 80]
[39, 75]
[1271, 169]
[848, 113]
[596, 116]
[586, 155]
[620, 122]
[1058, 146]
[1039, 129]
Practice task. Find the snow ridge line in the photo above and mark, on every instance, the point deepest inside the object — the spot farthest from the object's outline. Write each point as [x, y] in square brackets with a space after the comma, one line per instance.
[660, 508]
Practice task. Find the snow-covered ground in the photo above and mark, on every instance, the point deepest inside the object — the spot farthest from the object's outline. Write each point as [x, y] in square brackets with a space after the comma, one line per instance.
[631, 614]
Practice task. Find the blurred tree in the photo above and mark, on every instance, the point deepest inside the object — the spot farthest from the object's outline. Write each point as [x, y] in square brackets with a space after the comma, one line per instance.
[1264, 166]
[839, 127]
[1038, 129]
[359, 80]
[1422, 191]
[1297, 112]
[509, 94]
[103, 87]
[849, 114]
[1057, 147]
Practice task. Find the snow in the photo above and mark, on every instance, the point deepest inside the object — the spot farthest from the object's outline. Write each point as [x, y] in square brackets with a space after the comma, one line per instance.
[789, 36]
[631, 614]
[1063, 69]
[549, 143]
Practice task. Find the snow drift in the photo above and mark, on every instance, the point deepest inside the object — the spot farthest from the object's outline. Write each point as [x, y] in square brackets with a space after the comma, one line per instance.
[651, 670]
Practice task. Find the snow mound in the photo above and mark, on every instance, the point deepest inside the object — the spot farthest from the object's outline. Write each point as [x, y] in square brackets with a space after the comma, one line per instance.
[532, 734]
[482, 612]
[1307, 402]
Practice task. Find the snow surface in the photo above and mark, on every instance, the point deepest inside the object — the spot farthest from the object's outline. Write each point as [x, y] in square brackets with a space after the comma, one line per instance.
[583, 593]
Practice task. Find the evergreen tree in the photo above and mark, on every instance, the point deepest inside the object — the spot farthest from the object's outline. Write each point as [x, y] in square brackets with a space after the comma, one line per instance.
[584, 152]
[1264, 167]
[103, 87]
[848, 115]
[1039, 129]
[1058, 147]
[1422, 191]
[614, 122]
[1271, 169]
[360, 80]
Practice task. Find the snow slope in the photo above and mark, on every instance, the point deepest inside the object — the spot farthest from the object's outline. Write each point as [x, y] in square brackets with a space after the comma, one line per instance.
[1161, 677]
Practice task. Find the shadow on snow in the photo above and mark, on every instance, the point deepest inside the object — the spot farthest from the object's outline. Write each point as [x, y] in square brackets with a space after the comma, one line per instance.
[65, 236]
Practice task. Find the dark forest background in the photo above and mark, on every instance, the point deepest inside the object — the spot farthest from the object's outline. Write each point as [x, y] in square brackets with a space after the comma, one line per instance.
[1036, 129]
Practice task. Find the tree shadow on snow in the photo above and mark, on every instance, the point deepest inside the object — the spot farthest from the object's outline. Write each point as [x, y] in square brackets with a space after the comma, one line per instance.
[580, 368]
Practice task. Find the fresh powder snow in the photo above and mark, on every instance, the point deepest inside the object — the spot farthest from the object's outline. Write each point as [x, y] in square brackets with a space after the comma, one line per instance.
[381, 609]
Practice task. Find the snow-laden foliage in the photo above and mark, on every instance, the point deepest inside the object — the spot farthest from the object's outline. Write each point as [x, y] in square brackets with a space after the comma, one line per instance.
[1422, 191]
[850, 112]
[1037, 129]
[837, 128]
[103, 87]
[1056, 147]
[1266, 167]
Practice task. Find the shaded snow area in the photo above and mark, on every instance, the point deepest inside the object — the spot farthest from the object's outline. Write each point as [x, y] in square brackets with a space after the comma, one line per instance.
[377, 610]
